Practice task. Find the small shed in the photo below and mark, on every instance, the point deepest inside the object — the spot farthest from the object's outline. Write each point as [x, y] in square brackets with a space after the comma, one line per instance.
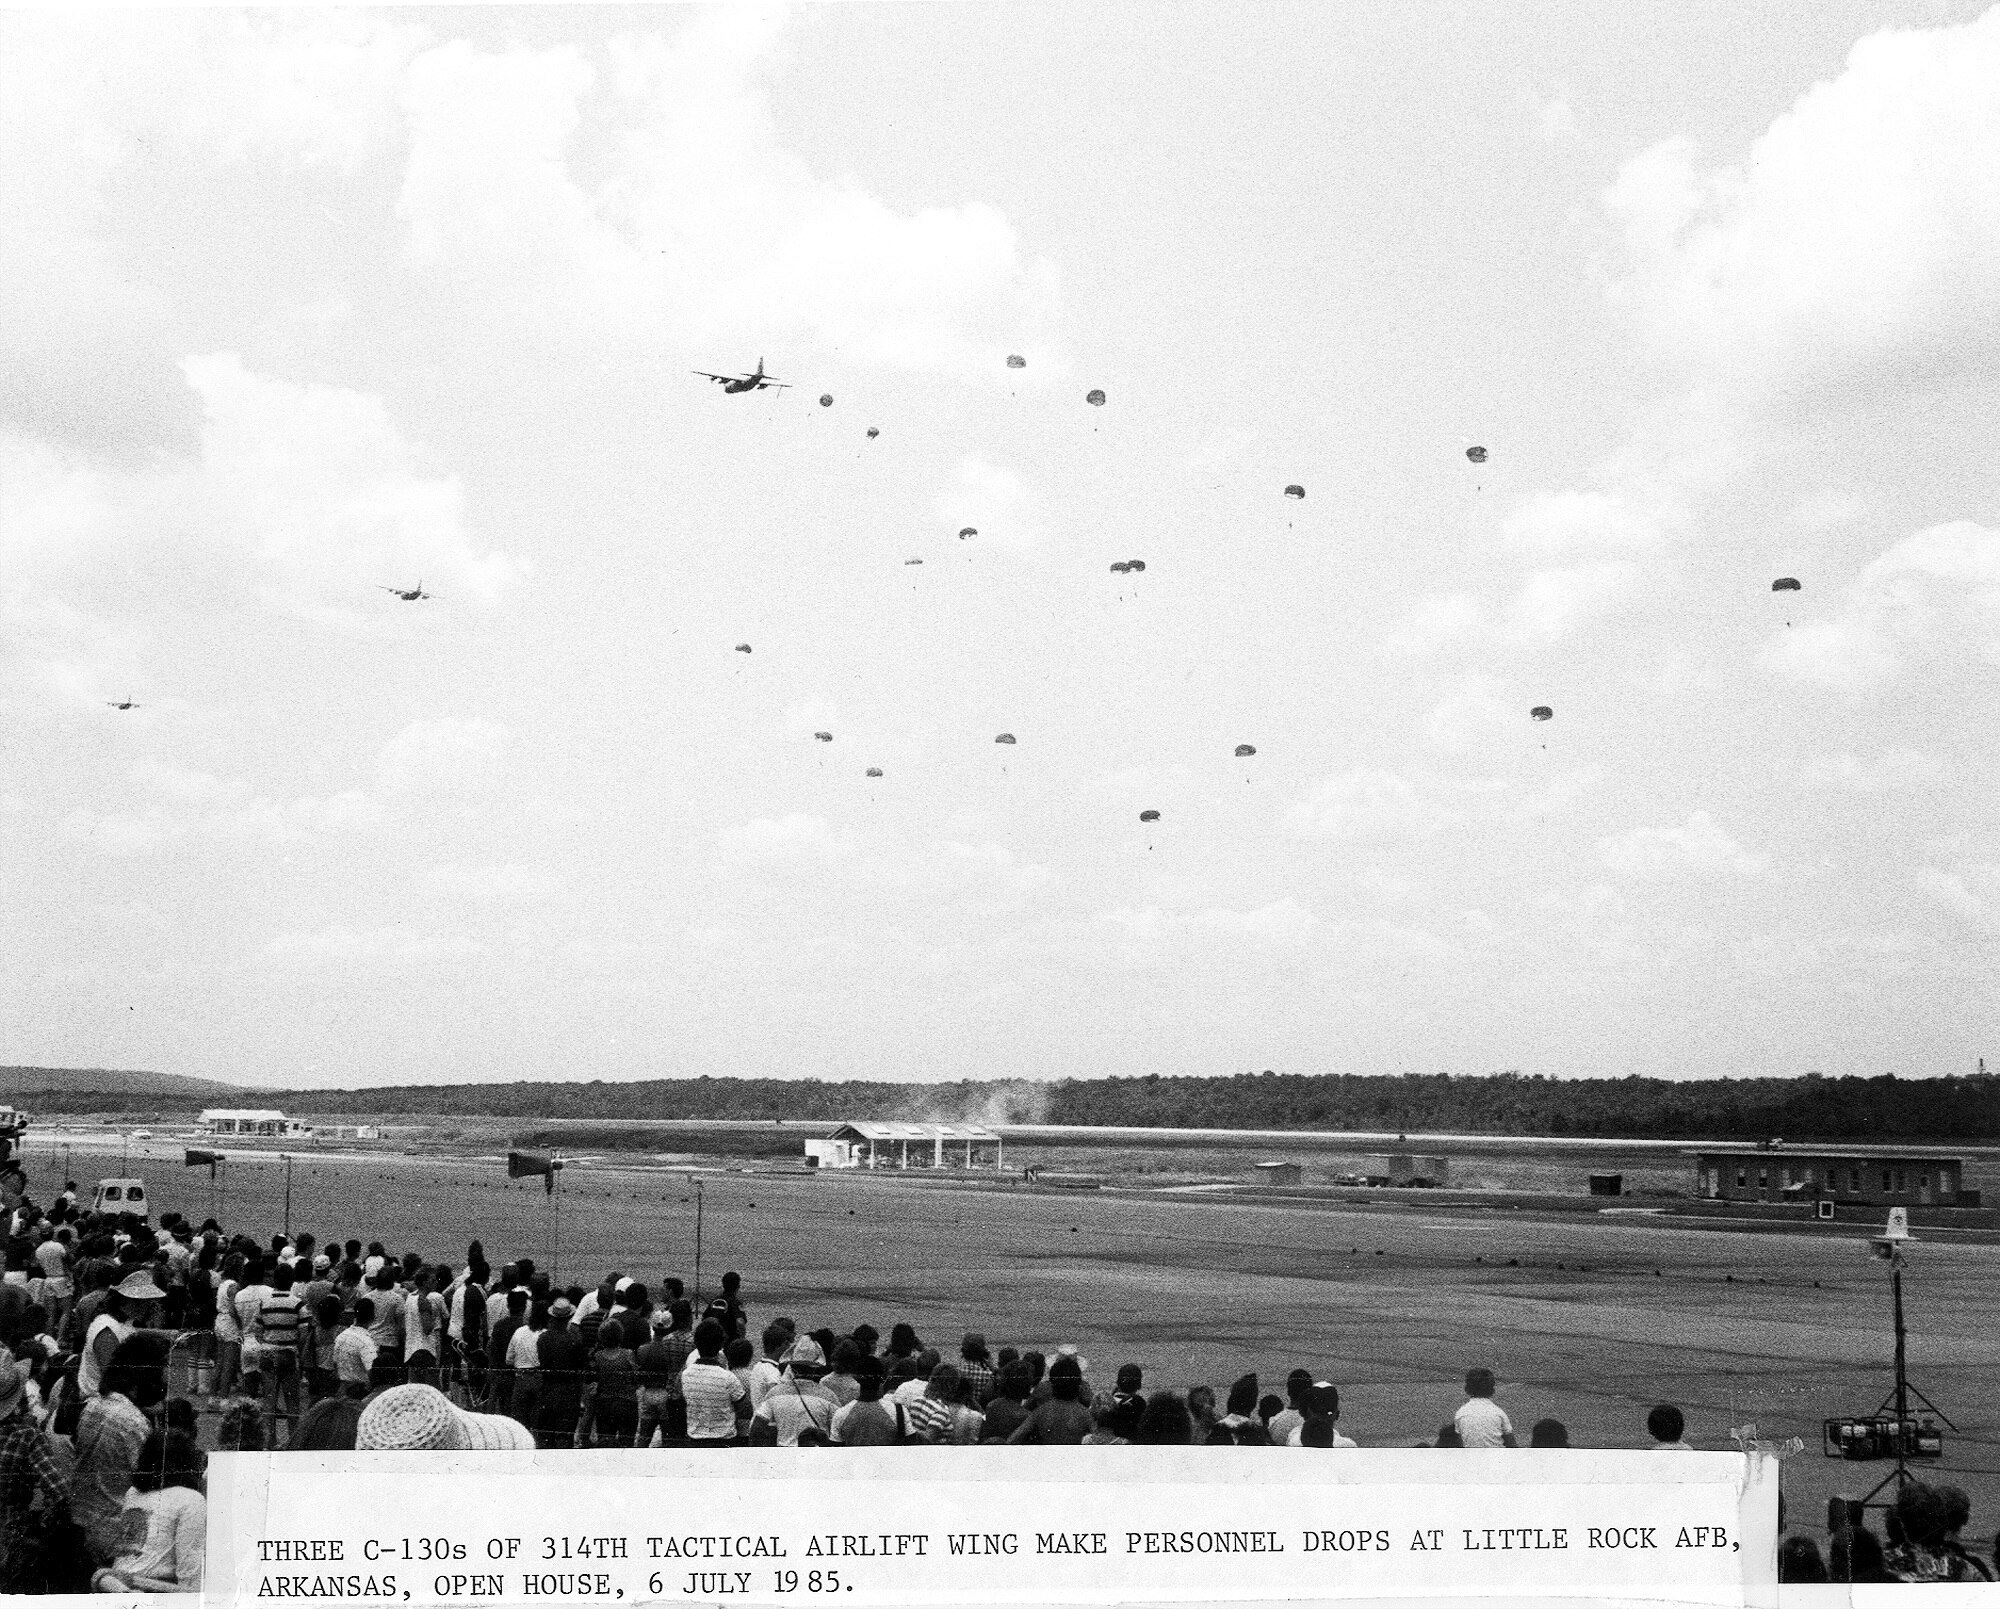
[1607, 1184]
[1268, 1173]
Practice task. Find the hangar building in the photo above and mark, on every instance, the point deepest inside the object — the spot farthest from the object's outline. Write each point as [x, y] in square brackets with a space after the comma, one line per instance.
[887, 1145]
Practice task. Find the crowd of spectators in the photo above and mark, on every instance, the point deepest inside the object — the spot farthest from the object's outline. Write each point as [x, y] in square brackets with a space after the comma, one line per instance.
[339, 1345]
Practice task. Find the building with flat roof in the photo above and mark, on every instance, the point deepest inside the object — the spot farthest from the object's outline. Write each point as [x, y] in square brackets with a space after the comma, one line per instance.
[1862, 1178]
[249, 1120]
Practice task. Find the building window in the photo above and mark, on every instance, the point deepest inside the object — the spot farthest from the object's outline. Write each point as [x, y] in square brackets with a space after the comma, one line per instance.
[1833, 1178]
[1742, 1178]
[1923, 1181]
[1763, 1178]
[1854, 1180]
[1886, 1185]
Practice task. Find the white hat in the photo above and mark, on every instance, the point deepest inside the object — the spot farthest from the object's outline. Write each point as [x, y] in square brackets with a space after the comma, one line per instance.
[140, 1287]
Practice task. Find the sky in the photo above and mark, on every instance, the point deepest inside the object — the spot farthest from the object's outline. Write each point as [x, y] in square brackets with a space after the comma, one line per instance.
[300, 305]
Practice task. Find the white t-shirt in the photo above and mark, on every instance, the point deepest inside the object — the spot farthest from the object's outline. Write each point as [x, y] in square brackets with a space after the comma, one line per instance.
[175, 1521]
[712, 1393]
[762, 1375]
[521, 1348]
[421, 1325]
[353, 1354]
[1482, 1422]
[227, 1326]
[88, 1372]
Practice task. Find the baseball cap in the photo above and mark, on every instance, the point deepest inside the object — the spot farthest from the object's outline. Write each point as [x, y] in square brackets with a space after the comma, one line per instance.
[322, 1263]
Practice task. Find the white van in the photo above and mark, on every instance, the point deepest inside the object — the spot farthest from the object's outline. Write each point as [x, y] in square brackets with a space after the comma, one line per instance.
[117, 1196]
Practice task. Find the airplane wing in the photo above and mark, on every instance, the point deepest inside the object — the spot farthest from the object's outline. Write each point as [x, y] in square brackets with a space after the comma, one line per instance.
[719, 379]
[397, 590]
[776, 385]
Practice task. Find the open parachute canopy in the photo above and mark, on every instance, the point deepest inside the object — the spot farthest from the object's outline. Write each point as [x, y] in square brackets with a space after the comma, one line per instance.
[1095, 399]
[1149, 815]
[1295, 491]
[1542, 712]
[913, 561]
[1016, 361]
[1244, 751]
[874, 770]
[1476, 454]
[1135, 565]
[743, 648]
[1120, 567]
[1785, 583]
[970, 530]
[826, 399]
[824, 737]
[873, 432]
[1004, 737]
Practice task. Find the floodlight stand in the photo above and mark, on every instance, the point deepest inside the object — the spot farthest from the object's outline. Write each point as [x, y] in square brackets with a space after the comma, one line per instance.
[1900, 1396]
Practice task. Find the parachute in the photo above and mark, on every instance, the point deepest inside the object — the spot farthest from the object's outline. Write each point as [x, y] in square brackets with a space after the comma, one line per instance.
[970, 530]
[1476, 454]
[1542, 712]
[743, 648]
[1295, 492]
[1135, 565]
[1244, 751]
[1095, 399]
[824, 737]
[913, 561]
[826, 399]
[874, 770]
[1016, 361]
[1149, 815]
[873, 432]
[1785, 583]
[1120, 567]
[1004, 737]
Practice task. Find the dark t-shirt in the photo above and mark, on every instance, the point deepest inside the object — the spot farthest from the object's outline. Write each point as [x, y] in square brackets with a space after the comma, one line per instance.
[616, 1374]
[1003, 1418]
[564, 1363]
[329, 1425]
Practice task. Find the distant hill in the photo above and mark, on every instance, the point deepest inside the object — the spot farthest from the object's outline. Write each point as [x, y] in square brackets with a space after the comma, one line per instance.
[25, 1086]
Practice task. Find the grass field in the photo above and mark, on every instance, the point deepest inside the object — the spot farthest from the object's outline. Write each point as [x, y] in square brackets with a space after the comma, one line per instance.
[1587, 1318]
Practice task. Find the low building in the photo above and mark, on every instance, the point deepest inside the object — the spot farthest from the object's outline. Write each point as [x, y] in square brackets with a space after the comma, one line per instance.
[1404, 1168]
[1863, 1178]
[1277, 1173]
[245, 1120]
[887, 1145]
[1607, 1184]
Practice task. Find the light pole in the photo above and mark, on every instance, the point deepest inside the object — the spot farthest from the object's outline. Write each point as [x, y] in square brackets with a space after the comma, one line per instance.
[288, 1195]
[1889, 1247]
[697, 1240]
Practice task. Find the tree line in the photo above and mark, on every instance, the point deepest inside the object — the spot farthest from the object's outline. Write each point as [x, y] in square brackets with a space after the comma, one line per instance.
[1809, 1108]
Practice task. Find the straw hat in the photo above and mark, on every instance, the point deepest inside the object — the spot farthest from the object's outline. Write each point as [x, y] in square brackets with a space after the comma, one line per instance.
[410, 1418]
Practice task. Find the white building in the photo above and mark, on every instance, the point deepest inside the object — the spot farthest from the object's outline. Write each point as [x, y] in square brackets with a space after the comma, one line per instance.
[887, 1145]
[234, 1120]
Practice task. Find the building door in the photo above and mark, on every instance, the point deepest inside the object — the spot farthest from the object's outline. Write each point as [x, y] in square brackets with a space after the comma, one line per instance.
[1924, 1189]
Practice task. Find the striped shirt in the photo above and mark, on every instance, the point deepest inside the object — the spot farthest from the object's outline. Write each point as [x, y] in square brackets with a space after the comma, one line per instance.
[712, 1393]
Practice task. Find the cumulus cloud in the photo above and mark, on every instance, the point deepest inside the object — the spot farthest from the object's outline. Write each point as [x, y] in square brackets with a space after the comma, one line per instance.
[698, 222]
[1887, 772]
[1970, 891]
[340, 942]
[1861, 234]
[1562, 522]
[791, 841]
[994, 501]
[1283, 922]
[1554, 603]
[443, 755]
[1934, 595]
[1663, 851]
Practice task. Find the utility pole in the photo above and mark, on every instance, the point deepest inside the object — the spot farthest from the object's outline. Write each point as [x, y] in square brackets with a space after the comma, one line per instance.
[697, 1245]
[288, 1195]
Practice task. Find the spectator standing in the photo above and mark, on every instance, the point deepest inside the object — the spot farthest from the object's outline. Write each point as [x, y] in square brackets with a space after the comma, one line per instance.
[1297, 1384]
[866, 1422]
[662, 1407]
[613, 1410]
[798, 1404]
[975, 1366]
[354, 1348]
[1480, 1421]
[563, 1366]
[423, 1327]
[717, 1404]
